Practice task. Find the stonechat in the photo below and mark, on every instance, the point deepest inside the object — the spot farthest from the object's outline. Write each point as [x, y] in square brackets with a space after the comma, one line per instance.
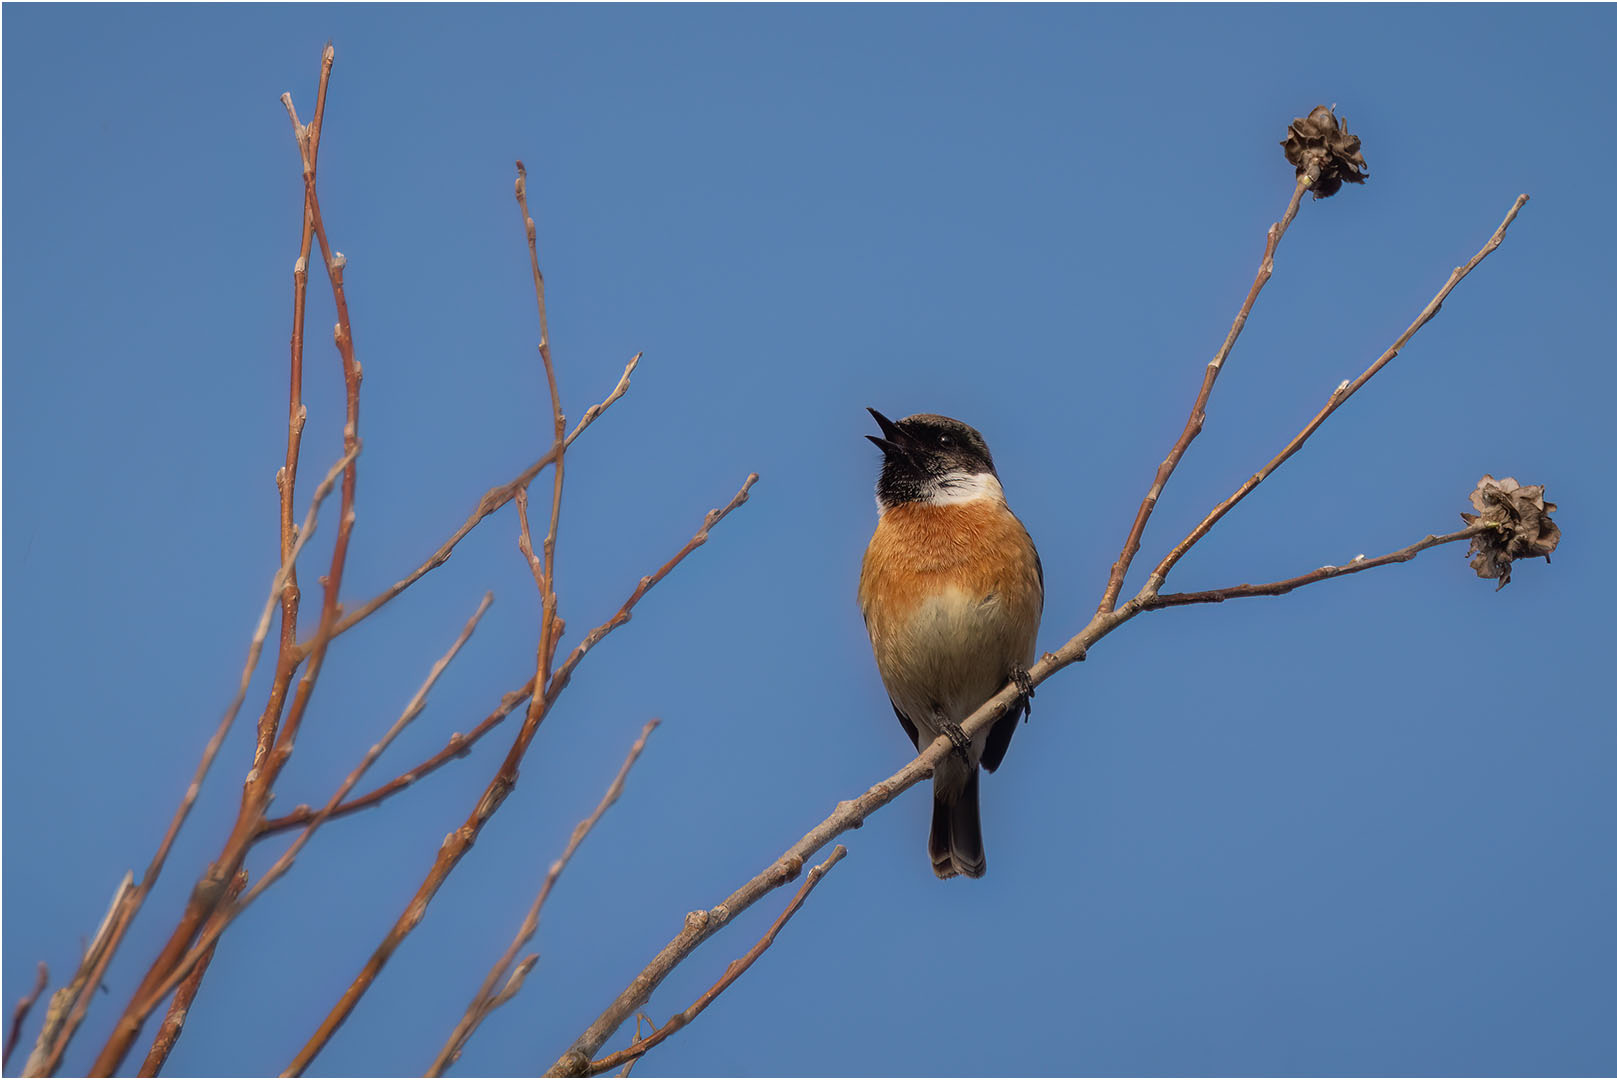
[952, 590]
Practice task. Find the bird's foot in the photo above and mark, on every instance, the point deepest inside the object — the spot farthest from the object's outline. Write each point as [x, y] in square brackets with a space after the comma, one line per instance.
[959, 738]
[1025, 685]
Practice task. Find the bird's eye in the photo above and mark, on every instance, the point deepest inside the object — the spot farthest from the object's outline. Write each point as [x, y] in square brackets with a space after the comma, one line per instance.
[946, 441]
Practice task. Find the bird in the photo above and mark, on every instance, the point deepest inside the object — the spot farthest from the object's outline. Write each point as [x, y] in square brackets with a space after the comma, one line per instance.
[952, 590]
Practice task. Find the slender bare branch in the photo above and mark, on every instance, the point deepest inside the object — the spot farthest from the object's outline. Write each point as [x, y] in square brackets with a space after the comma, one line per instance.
[457, 746]
[229, 914]
[1343, 393]
[308, 139]
[459, 842]
[19, 1014]
[550, 625]
[67, 1005]
[94, 964]
[732, 972]
[168, 1032]
[493, 499]
[503, 981]
[1325, 573]
[1194, 421]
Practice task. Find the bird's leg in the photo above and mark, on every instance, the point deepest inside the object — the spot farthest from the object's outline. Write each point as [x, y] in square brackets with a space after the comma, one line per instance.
[1025, 685]
[957, 736]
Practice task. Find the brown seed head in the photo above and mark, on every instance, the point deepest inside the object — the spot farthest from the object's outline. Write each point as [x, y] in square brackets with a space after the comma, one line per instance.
[1321, 142]
[1523, 527]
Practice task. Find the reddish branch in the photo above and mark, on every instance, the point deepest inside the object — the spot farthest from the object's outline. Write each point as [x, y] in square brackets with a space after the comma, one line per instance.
[733, 972]
[457, 844]
[504, 980]
[225, 915]
[492, 500]
[209, 893]
[24, 1004]
[168, 1032]
[1194, 422]
[1343, 393]
[129, 902]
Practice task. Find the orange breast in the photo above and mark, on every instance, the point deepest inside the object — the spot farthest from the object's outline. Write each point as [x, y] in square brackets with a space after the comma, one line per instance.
[952, 599]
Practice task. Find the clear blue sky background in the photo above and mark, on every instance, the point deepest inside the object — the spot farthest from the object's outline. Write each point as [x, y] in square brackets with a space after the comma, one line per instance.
[1366, 829]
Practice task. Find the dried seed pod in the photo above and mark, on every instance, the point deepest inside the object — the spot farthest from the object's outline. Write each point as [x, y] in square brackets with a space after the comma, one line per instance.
[1322, 141]
[1523, 527]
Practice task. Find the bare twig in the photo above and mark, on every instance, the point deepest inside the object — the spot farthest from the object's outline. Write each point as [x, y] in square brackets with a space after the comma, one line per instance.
[492, 500]
[308, 139]
[1343, 393]
[1325, 573]
[1194, 421]
[459, 842]
[95, 962]
[20, 1014]
[267, 767]
[550, 625]
[732, 972]
[502, 975]
[67, 1005]
[168, 1032]
[458, 745]
[229, 914]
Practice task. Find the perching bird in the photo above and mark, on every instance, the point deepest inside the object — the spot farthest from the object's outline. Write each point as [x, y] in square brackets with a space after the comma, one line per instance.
[952, 589]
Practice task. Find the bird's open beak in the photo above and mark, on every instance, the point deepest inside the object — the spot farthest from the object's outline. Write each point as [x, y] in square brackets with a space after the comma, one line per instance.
[893, 439]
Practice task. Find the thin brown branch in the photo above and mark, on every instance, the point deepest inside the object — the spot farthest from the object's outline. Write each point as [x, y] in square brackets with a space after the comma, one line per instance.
[261, 778]
[459, 745]
[19, 1014]
[550, 625]
[226, 915]
[168, 1032]
[95, 962]
[287, 477]
[1325, 573]
[1343, 393]
[732, 972]
[493, 499]
[503, 980]
[849, 814]
[459, 842]
[1194, 421]
[67, 1005]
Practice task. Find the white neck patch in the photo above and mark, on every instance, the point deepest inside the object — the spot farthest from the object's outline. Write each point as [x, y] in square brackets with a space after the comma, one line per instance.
[953, 489]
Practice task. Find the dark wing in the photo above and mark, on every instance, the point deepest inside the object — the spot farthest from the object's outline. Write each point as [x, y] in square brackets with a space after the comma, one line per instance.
[910, 728]
[1000, 736]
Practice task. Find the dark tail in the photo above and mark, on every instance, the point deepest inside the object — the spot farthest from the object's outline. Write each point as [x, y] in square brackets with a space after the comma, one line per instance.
[956, 843]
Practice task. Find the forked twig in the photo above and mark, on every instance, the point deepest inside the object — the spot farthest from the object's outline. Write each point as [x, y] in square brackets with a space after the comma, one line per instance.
[456, 845]
[94, 965]
[19, 1014]
[168, 1032]
[413, 709]
[733, 972]
[1194, 421]
[1343, 393]
[503, 975]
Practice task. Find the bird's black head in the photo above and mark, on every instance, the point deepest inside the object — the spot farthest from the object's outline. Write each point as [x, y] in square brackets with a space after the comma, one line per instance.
[931, 458]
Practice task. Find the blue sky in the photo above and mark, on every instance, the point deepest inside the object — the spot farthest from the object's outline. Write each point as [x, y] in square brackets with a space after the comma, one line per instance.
[1365, 829]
